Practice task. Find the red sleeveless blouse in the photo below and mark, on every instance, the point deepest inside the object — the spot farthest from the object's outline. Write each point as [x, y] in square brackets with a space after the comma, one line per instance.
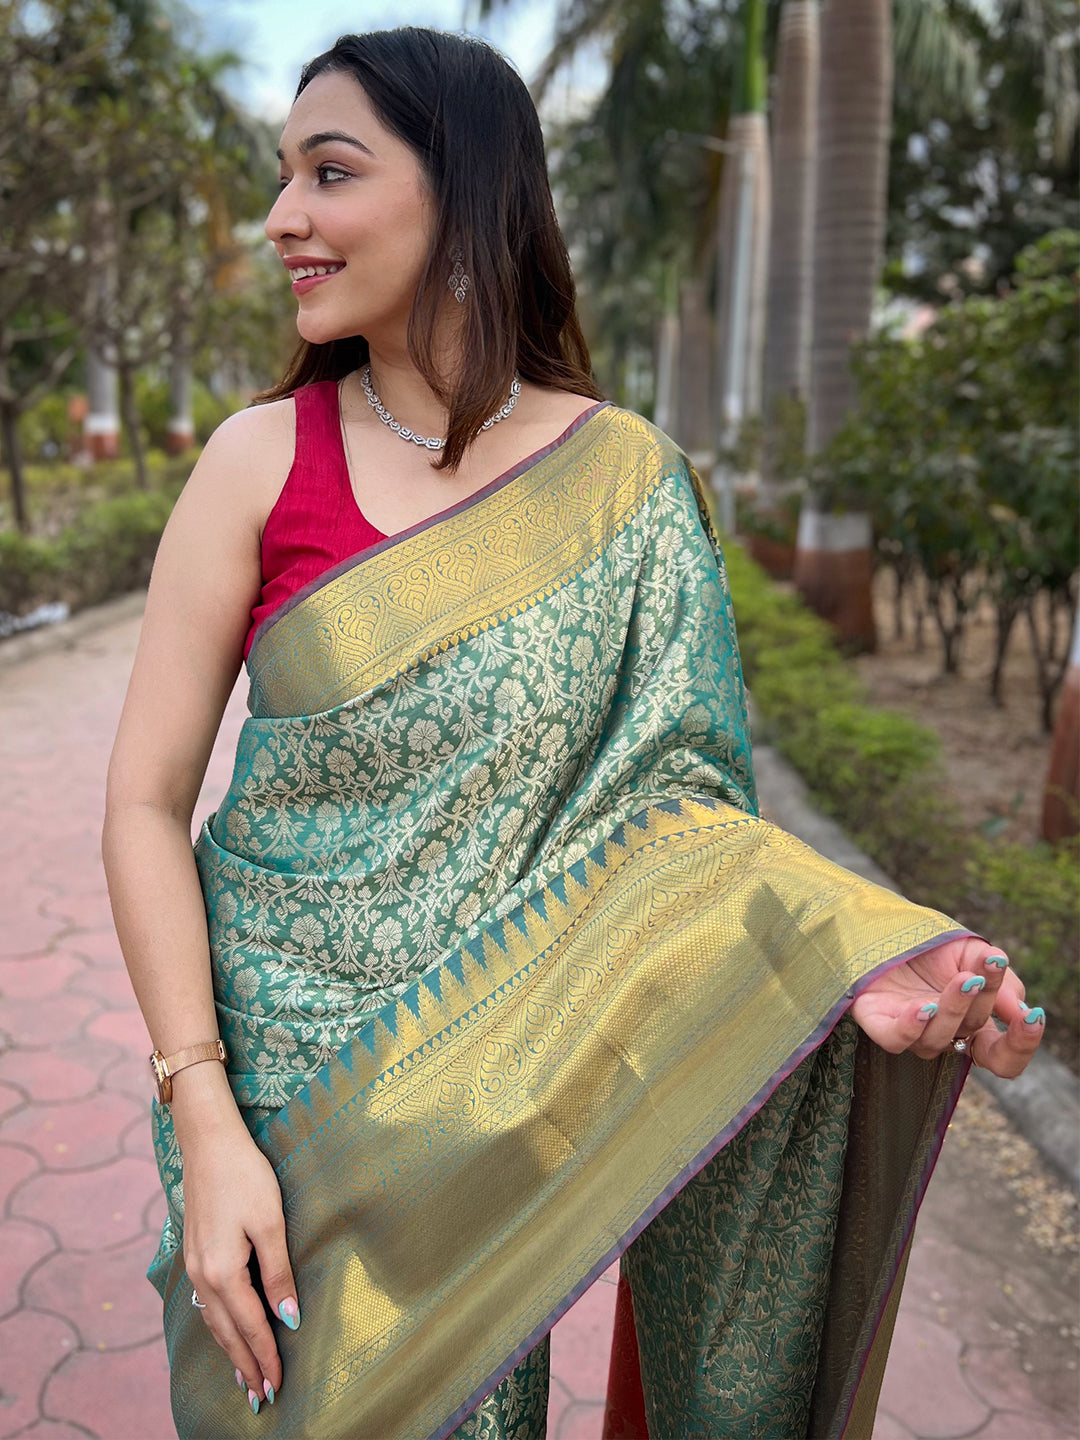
[316, 522]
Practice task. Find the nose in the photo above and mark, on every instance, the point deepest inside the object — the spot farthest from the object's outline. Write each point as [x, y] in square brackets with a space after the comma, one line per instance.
[287, 217]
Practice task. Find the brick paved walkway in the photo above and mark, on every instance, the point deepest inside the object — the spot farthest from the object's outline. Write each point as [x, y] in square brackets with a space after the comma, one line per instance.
[987, 1340]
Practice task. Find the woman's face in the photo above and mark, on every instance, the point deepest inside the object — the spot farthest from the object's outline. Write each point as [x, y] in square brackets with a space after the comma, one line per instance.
[353, 200]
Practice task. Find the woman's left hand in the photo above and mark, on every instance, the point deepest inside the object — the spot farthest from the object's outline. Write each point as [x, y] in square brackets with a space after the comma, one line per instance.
[953, 990]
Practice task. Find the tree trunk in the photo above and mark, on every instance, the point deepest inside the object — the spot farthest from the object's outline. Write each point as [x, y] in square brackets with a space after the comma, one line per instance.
[854, 114]
[102, 427]
[181, 433]
[694, 429]
[1061, 793]
[791, 234]
[130, 412]
[667, 359]
[1005, 612]
[743, 232]
[12, 453]
[834, 572]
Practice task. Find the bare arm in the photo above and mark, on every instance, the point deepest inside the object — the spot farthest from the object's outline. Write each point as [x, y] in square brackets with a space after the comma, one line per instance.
[206, 579]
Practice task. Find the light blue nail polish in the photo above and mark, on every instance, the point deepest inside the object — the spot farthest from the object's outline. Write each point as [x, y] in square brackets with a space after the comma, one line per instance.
[977, 982]
[290, 1313]
[269, 1391]
[1023, 1007]
[1037, 1016]
[929, 1010]
[1001, 961]
[254, 1399]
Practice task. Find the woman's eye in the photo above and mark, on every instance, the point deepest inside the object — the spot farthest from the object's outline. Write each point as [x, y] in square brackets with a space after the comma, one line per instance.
[331, 174]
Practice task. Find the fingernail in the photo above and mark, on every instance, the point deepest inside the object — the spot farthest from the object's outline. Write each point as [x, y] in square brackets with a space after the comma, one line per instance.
[1023, 1007]
[240, 1380]
[929, 1010]
[254, 1399]
[977, 982]
[290, 1313]
[1001, 961]
[268, 1390]
[1036, 1016]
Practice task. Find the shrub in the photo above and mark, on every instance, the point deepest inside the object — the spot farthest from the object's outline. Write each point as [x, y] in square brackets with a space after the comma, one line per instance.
[879, 773]
[28, 569]
[106, 550]
[111, 547]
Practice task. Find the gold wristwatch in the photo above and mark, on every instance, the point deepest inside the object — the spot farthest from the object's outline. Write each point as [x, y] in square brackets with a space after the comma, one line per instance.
[166, 1066]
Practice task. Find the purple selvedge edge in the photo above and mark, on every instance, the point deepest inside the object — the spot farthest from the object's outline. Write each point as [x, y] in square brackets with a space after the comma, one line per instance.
[813, 1040]
[379, 546]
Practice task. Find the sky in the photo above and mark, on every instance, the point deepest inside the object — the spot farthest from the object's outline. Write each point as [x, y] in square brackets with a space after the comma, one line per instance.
[276, 37]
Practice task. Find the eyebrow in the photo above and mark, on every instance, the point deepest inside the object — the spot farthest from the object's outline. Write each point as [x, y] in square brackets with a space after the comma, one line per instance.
[324, 137]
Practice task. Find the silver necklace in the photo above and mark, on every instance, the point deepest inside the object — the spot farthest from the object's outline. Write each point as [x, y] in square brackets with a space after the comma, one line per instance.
[431, 442]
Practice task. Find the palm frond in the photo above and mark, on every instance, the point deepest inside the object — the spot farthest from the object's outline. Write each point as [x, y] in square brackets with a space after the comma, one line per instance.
[936, 52]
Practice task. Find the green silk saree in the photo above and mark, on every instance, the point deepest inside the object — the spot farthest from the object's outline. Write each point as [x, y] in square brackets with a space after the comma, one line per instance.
[510, 974]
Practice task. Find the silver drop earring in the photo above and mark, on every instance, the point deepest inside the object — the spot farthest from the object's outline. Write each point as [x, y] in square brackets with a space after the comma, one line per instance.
[458, 281]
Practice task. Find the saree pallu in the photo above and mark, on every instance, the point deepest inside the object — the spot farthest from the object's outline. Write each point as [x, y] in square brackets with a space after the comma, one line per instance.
[510, 974]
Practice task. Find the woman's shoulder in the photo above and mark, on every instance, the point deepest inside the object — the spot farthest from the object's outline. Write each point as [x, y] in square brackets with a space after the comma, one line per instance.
[269, 422]
[245, 463]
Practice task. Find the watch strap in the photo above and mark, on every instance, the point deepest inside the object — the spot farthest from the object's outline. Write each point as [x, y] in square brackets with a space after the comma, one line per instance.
[191, 1055]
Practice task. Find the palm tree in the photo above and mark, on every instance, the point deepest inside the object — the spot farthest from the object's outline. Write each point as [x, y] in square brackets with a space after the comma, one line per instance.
[794, 175]
[834, 558]
[742, 244]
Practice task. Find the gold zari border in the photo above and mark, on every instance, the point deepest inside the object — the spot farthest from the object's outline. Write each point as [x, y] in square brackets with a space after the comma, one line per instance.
[467, 1163]
[469, 571]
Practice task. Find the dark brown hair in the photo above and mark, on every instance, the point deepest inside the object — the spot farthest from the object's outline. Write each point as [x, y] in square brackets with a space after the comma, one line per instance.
[471, 122]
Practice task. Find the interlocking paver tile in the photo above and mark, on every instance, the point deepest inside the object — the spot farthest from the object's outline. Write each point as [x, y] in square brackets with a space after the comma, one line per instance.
[105, 1295]
[90, 1209]
[117, 1395]
[38, 977]
[111, 987]
[581, 1342]
[98, 946]
[32, 1345]
[923, 1383]
[887, 1427]
[73, 1135]
[130, 1075]
[25, 932]
[138, 1140]
[16, 1165]
[1023, 1425]
[48, 1076]
[122, 1027]
[35, 1024]
[10, 1099]
[154, 1212]
[88, 908]
[991, 1373]
[580, 1421]
[21, 1247]
[52, 1430]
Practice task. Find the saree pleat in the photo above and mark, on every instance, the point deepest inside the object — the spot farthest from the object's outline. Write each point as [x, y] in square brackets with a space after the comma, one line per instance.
[504, 959]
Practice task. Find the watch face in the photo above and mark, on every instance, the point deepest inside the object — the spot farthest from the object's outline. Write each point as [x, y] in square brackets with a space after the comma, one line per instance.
[162, 1082]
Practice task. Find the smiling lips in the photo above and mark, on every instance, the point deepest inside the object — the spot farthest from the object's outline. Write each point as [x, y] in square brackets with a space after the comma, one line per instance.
[308, 273]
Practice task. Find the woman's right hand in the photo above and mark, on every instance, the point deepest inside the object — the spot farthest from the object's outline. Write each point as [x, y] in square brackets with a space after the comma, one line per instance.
[232, 1205]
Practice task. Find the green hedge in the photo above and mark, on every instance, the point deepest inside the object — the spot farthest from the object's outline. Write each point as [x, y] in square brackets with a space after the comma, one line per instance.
[108, 550]
[879, 773]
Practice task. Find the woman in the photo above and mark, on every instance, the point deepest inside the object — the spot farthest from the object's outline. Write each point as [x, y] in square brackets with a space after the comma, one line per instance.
[508, 976]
